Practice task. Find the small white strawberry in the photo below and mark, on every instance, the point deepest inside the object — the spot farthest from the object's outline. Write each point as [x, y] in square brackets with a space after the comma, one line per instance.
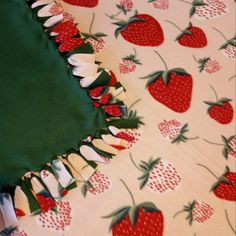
[198, 211]
[229, 47]
[127, 66]
[174, 131]
[158, 175]
[58, 220]
[207, 9]
[98, 183]
[160, 4]
[19, 233]
[229, 146]
[129, 63]
[208, 65]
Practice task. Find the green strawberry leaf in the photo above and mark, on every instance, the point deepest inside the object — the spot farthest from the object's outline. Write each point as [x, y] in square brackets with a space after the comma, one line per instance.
[144, 167]
[232, 42]
[223, 46]
[192, 11]
[143, 176]
[224, 139]
[180, 71]
[100, 34]
[225, 153]
[118, 30]
[224, 180]
[135, 19]
[152, 77]
[187, 32]
[209, 103]
[143, 182]
[84, 190]
[133, 214]
[148, 207]
[117, 212]
[118, 218]
[225, 100]
[197, 3]
[166, 76]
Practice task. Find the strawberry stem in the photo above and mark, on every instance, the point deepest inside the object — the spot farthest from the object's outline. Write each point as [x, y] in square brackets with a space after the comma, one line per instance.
[131, 195]
[195, 59]
[208, 170]
[230, 225]
[233, 76]
[193, 138]
[214, 92]
[113, 17]
[186, 2]
[135, 52]
[161, 59]
[219, 144]
[135, 102]
[220, 33]
[132, 160]
[174, 25]
[177, 213]
[91, 24]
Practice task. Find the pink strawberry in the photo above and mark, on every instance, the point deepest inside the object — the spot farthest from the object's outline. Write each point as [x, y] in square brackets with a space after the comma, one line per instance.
[229, 47]
[19, 233]
[56, 220]
[115, 110]
[221, 110]
[208, 65]
[19, 212]
[172, 88]
[192, 36]
[98, 183]
[141, 29]
[229, 146]
[129, 63]
[83, 3]
[160, 4]
[45, 201]
[207, 9]
[174, 131]
[70, 44]
[197, 211]
[125, 5]
[65, 30]
[158, 175]
[225, 187]
[144, 217]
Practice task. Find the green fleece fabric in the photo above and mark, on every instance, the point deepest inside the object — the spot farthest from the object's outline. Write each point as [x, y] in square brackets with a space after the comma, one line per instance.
[43, 110]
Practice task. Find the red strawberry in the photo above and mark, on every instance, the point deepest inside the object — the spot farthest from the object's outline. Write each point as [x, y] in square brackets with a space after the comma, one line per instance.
[192, 36]
[197, 211]
[65, 31]
[225, 187]
[221, 110]
[208, 65]
[97, 92]
[113, 80]
[71, 44]
[56, 220]
[115, 110]
[83, 3]
[229, 146]
[45, 201]
[19, 212]
[144, 217]
[160, 4]
[141, 29]
[207, 9]
[105, 99]
[96, 104]
[158, 175]
[64, 192]
[126, 136]
[172, 88]
[98, 183]
[229, 47]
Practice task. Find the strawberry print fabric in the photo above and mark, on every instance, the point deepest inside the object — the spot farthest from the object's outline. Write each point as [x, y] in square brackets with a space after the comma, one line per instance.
[176, 174]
